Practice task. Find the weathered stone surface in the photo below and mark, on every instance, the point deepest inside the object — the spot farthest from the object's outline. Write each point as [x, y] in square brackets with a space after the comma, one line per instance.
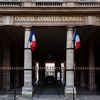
[70, 93]
[70, 90]
[27, 90]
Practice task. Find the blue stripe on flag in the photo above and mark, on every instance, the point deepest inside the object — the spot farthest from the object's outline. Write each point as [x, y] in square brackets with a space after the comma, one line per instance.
[74, 36]
[30, 38]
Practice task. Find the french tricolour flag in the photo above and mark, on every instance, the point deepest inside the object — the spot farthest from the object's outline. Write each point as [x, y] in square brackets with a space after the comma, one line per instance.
[32, 41]
[76, 40]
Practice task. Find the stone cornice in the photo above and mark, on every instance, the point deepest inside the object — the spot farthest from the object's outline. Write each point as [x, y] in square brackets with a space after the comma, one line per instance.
[49, 10]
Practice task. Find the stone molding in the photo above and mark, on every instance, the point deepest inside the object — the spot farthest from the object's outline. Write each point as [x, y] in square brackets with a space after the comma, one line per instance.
[1, 20]
[49, 3]
[28, 21]
[49, 20]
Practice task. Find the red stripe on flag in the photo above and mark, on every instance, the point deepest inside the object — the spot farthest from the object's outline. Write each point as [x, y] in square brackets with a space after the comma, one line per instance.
[33, 45]
[77, 45]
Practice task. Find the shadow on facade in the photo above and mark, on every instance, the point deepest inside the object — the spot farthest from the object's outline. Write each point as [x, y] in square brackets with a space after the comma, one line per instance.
[87, 64]
[11, 56]
[51, 48]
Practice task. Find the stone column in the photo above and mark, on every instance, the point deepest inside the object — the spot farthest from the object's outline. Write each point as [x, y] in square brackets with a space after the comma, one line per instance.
[27, 90]
[92, 85]
[17, 71]
[82, 74]
[62, 73]
[82, 79]
[6, 73]
[37, 71]
[70, 90]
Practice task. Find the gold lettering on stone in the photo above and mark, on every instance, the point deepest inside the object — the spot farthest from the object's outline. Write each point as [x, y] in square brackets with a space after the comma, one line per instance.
[49, 18]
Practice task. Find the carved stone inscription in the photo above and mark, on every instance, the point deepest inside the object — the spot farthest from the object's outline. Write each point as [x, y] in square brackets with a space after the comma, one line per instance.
[49, 18]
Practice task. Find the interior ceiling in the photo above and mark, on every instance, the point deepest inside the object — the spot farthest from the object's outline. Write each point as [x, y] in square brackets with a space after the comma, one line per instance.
[14, 35]
[50, 37]
[89, 34]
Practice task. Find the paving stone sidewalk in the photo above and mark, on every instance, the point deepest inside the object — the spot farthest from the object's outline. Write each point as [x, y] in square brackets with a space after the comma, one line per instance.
[88, 97]
[48, 97]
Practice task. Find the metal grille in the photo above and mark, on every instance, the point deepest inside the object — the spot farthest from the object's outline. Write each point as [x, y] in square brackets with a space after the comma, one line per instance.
[86, 79]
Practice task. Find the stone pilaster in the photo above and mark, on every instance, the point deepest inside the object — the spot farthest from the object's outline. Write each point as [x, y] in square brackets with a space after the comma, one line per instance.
[82, 74]
[82, 79]
[70, 90]
[6, 73]
[8, 20]
[17, 78]
[27, 3]
[92, 85]
[17, 71]
[27, 90]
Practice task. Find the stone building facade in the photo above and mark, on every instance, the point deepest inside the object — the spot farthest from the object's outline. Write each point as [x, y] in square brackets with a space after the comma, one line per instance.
[18, 18]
